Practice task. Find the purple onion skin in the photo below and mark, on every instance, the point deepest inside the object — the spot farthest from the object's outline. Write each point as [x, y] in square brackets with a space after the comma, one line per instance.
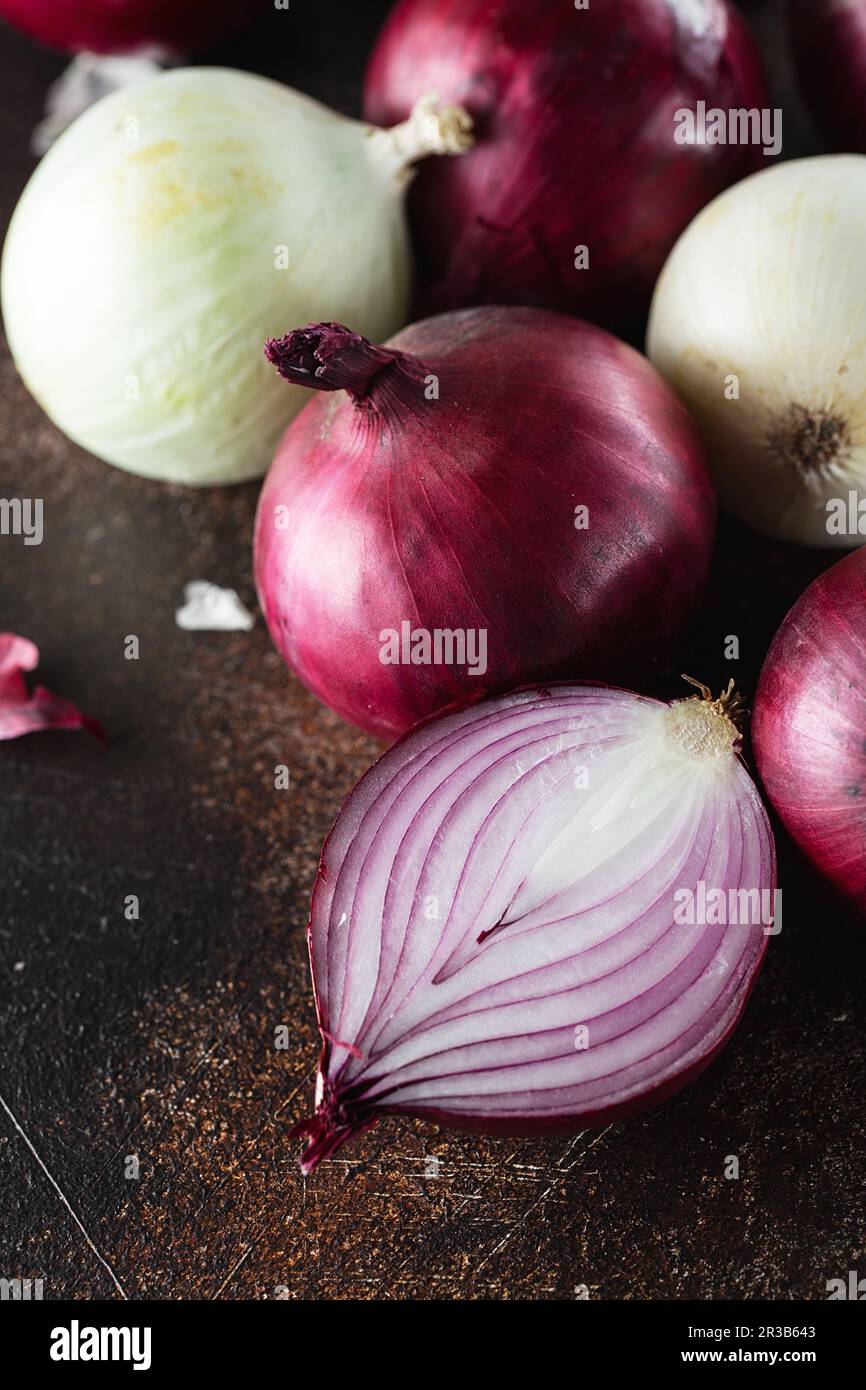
[128, 26]
[830, 52]
[574, 114]
[809, 725]
[459, 513]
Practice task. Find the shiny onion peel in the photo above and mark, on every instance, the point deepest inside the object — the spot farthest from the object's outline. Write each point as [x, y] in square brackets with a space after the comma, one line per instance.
[128, 26]
[829, 38]
[809, 724]
[512, 477]
[578, 157]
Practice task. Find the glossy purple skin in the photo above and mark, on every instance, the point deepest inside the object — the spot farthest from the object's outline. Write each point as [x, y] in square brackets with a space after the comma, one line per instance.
[574, 115]
[459, 513]
[809, 724]
[128, 26]
[830, 51]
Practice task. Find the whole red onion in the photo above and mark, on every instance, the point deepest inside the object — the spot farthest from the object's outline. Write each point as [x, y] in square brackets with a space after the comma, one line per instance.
[515, 477]
[574, 114]
[537, 914]
[830, 52]
[809, 724]
[128, 26]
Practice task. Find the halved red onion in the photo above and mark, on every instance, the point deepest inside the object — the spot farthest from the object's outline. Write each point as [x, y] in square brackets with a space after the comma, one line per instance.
[529, 915]
[809, 724]
[24, 713]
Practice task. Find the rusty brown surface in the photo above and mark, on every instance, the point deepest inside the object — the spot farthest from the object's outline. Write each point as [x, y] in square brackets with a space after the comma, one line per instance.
[156, 1038]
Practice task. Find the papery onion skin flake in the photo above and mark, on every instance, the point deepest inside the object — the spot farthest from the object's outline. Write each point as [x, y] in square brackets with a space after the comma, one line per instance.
[32, 712]
[176, 225]
[809, 725]
[509, 475]
[757, 323]
[511, 928]
[575, 111]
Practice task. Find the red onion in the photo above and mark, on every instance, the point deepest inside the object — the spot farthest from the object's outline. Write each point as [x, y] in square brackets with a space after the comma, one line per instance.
[128, 26]
[574, 111]
[830, 52]
[537, 914]
[22, 712]
[809, 725]
[391, 517]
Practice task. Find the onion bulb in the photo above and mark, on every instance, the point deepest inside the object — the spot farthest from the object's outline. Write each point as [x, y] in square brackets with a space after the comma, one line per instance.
[809, 724]
[757, 322]
[175, 226]
[538, 914]
[495, 496]
[830, 52]
[579, 183]
[128, 26]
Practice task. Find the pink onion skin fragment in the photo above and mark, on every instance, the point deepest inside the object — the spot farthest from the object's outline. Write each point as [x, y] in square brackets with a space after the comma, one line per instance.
[574, 117]
[809, 725]
[469, 1019]
[128, 26]
[829, 39]
[458, 513]
[24, 712]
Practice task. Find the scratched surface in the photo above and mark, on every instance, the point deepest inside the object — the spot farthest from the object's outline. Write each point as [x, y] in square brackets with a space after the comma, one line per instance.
[155, 1039]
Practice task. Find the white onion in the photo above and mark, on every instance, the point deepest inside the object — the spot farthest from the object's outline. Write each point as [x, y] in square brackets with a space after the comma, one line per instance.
[146, 263]
[765, 294]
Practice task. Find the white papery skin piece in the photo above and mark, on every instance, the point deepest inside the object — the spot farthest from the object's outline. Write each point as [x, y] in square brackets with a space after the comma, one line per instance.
[139, 276]
[208, 608]
[768, 284]
[88, 78]
[485, 811]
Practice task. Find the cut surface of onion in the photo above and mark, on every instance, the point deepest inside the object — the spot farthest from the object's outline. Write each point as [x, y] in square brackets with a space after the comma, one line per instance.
[757, 324]
[538, 913]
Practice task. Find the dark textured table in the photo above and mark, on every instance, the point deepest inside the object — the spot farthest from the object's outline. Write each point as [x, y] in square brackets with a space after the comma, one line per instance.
[155, 1038]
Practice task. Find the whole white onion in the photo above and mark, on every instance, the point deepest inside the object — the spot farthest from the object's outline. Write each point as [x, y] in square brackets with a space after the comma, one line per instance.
[176, 226]
[757, 322]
